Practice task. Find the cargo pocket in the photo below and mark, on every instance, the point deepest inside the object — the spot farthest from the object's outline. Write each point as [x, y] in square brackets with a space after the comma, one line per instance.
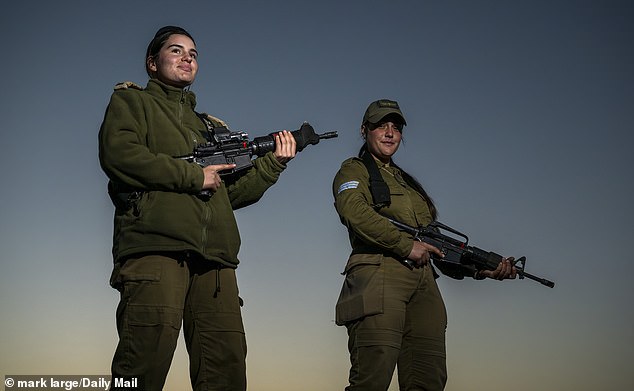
[154, 316]
[131, 270]
[148, 315]
[362, 291]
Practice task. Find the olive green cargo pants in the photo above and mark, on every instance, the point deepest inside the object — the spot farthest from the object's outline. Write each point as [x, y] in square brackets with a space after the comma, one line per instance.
[405, 324]
[158, 294]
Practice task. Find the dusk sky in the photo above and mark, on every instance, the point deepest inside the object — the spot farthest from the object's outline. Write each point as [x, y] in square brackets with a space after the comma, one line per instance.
[520, 126]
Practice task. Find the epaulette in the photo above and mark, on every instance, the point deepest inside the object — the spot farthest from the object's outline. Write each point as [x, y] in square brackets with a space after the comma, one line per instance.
[127, 84]
[216, 122]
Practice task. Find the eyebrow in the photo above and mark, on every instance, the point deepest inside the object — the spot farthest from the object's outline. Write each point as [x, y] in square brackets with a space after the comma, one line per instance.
[182, 47]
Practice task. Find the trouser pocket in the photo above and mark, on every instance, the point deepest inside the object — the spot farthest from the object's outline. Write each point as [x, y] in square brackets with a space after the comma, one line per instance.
[362, 291]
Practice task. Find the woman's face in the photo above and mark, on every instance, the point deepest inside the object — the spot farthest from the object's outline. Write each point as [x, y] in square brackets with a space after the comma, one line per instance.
[383, 141]
[176, 63]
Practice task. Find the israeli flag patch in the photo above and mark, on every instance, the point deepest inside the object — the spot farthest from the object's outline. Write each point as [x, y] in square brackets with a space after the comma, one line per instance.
[348, 186]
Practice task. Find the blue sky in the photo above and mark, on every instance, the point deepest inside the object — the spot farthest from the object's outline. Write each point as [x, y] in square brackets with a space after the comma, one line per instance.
[520, 126]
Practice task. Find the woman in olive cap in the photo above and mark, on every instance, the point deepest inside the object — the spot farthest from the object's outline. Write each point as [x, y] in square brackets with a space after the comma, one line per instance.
[394, 313]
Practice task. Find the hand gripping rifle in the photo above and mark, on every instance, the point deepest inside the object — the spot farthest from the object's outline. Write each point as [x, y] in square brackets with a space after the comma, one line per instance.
[235, 148]
[457, 252]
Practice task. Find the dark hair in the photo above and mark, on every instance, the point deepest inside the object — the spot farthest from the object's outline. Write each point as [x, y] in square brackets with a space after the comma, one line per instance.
[411, 181]
[161, 36]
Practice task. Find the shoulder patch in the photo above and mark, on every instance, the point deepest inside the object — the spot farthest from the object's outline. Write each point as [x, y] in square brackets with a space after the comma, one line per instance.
[127, 84]
[347, 186]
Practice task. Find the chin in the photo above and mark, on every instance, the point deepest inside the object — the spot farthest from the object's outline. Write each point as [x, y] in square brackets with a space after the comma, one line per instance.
[184, 84]
[388, 154]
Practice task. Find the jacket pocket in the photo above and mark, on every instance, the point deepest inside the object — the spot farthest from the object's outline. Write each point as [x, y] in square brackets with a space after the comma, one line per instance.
[362, 291]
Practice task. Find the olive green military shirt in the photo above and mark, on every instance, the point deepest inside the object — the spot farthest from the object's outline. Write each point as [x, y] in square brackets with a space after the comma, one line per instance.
[369, 230]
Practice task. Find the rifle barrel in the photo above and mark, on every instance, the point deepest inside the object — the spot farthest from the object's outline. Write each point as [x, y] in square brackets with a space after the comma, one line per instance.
[332, 134]
[542, 281]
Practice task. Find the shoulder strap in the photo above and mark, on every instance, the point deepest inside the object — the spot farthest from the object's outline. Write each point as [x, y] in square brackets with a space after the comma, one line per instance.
[211, 121]
[379, 189]
[213, 124]
[127, 85]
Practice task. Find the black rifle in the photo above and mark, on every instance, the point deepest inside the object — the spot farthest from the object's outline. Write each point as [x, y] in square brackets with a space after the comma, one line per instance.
[457, 252]
[235, 148]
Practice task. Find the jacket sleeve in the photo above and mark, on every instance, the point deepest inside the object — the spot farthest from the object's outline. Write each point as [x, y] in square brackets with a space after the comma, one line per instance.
[125, 157]
[250, 187]
[353, 202]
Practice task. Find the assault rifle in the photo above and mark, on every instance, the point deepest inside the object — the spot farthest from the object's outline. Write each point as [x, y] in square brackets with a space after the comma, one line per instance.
[457, 252]
[235, 147]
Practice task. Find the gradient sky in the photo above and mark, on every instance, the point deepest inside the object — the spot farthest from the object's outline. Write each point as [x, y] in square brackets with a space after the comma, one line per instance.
[520, 126]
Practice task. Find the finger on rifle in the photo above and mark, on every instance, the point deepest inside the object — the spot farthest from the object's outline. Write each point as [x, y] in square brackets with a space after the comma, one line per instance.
[291, 141]
[282, 142]
[287, 142]
[506, 269]
[434, 249]
[220, 167]
[512, 269]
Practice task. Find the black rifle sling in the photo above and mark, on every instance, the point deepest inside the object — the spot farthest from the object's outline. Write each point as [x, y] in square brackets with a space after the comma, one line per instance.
[209, 126]
[378, 188]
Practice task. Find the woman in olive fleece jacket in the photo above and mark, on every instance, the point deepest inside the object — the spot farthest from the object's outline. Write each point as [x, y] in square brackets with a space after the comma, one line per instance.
[142, 132]
[173, 247]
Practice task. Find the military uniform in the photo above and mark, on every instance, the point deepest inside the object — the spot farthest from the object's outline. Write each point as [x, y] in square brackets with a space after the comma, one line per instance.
[175, 252]
[393, 314]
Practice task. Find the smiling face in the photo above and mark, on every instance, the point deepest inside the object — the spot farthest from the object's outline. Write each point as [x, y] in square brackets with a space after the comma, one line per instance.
[176, 63]
[383, 140]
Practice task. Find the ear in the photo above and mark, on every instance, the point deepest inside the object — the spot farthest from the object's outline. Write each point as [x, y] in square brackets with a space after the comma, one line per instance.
[151, 64]
[363, 130]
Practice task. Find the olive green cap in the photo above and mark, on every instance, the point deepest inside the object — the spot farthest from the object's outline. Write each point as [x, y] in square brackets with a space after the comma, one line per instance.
[380, 108]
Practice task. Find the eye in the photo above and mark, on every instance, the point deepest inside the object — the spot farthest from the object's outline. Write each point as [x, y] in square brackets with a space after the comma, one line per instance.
[386, 125]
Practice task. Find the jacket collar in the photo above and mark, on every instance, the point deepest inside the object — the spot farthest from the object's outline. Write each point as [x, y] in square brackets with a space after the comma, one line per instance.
[158, 88]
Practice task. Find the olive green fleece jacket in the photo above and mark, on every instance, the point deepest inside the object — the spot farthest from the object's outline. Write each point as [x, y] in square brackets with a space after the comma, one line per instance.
[143, 130]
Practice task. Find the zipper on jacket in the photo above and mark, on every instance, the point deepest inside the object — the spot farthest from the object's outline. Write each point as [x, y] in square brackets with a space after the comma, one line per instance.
[181, 111]
[181, 103]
